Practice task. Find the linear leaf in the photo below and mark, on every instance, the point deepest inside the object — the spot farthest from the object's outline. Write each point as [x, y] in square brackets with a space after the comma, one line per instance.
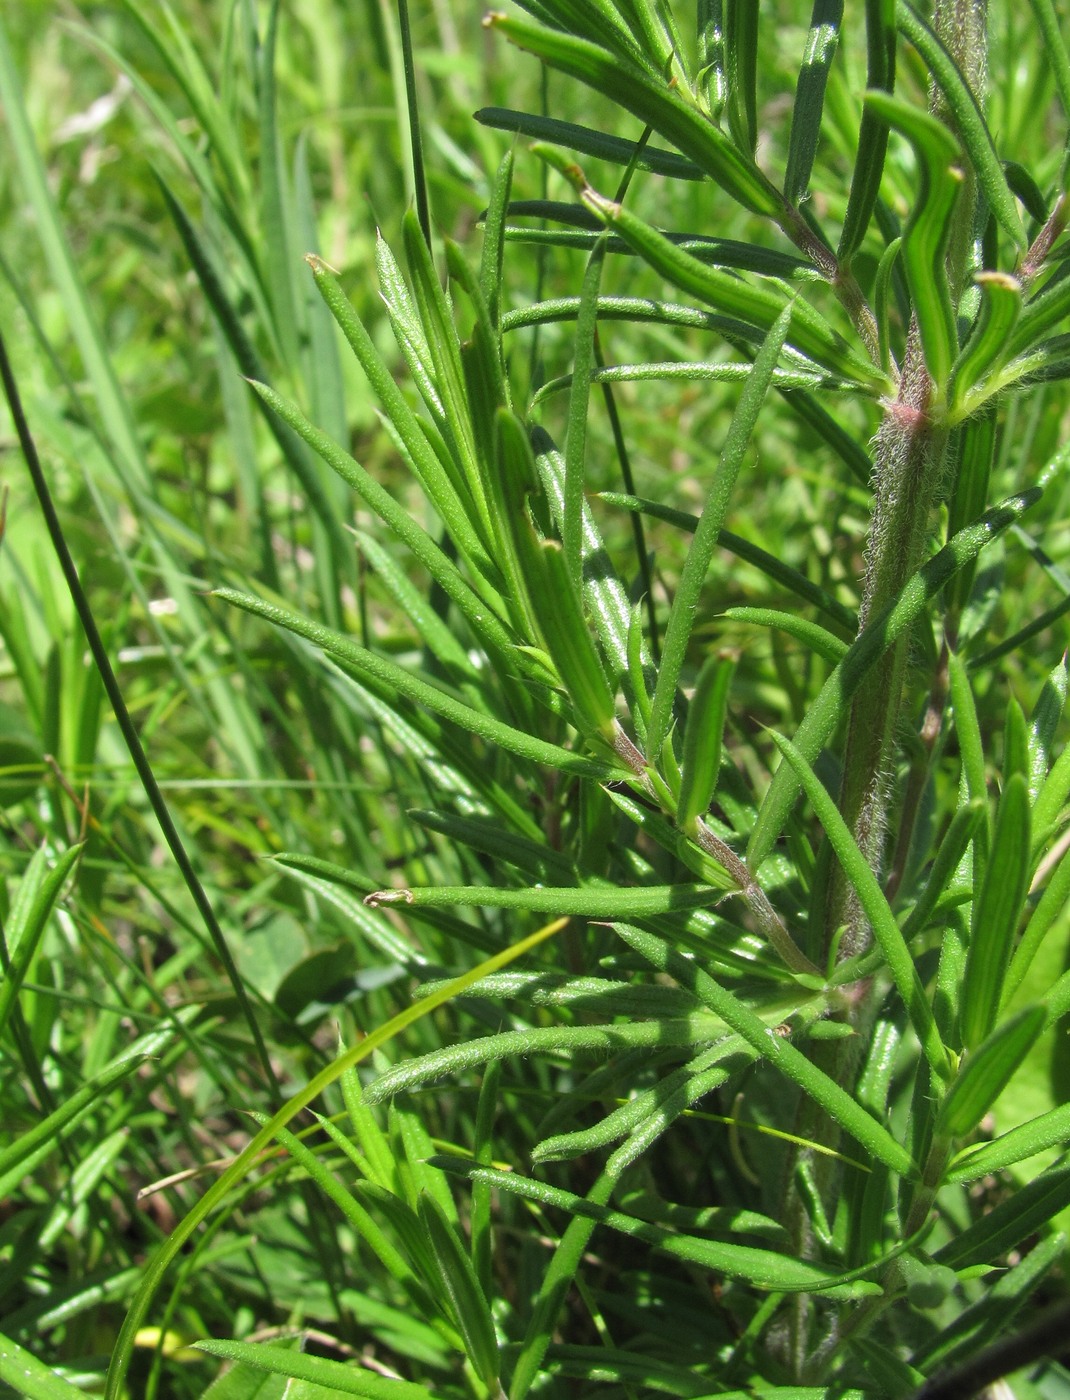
[679, 1032]
[876, 909]
[741, 72]
[376, 668]
[972, 127]
[809, 332]
[696, 566]
[873, 131]
[986, 1071]
[926, 234]
[400, 521]
[585, 901]
[703, 735]
[654, 103]
[762, 1267]
[821, 43]
[840, 1105]
[460, 1285]
[996, 914]
[1014, 1219]
[333, 1376]
[589, 142]
[814, 637]
[22, 1371]
[1048, 1130]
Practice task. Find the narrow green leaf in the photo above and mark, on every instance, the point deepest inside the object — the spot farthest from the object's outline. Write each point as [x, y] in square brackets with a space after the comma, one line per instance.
[821, 42]
[578, 411]
[972, 127]
[876, 909]
[569, 642]
[1038, 1135]
[741, 72]
[996, 914]
[1051, 799]
[968, 729]
[1055, 48]
[880, 633]
[971, 456]
[711, 56]
[22, 1371]
[584, 901]
[490, 264]
[407, 327]
[334, 1376]
[873, 131]
[442, 494]
[666, 1101]
[761, 1267]
[604, 596]
[1001, 306]
[32, 1146]
[234, 1174]
[1043, 726]
[813, 637]
[996, 1309]
[925, 237]
[439, 638]
[1026, 1211]
[279, 261]
[356, 1215]
[564, 1263]
[703, 736]
[654, 103]
[1050, 907]
[682, 1032]
[808, 332]
[768, 564]
[696, 566]
[1015, 743]
[400, 521]
[459, 1284]
[436, 315]
[986, 1071]
[590, 142]
[949, 854]
[779, 1051]
[364, 663]
[38, 893]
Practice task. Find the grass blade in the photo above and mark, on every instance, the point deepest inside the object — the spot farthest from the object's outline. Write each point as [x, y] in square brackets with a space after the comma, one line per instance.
[129, 730]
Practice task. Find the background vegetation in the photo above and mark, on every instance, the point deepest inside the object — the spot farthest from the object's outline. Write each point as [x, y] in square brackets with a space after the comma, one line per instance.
[662, 1061]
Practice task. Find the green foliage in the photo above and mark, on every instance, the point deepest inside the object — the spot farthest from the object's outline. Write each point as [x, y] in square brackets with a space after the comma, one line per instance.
[685, 563]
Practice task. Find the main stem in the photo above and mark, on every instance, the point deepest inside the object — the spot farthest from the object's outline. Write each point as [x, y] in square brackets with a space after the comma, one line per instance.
[908, 463]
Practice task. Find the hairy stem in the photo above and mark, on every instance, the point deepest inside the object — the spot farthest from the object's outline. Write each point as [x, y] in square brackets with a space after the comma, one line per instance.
[908, 463]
